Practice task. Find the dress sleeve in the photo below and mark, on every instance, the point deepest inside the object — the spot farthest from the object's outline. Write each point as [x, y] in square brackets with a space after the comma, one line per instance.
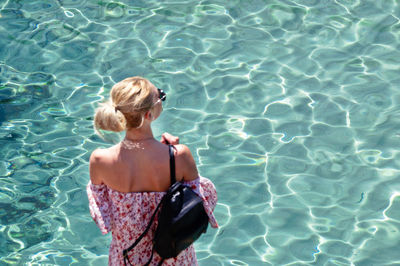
[99, 206]
[206, 190]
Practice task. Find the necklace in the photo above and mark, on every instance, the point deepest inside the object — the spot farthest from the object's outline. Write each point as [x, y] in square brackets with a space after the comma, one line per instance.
[134, 144]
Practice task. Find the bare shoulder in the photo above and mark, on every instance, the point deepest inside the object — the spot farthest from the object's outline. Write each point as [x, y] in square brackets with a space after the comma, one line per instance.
[98, 156]
[183, 153]
[186, 161]
[182, 150]
[98, 159]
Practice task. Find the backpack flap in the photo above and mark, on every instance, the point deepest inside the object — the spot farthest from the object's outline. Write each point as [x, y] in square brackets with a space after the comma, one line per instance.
[175, 198]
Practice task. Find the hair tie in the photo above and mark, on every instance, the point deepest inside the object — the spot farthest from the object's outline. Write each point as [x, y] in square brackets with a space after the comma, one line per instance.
[116, 108]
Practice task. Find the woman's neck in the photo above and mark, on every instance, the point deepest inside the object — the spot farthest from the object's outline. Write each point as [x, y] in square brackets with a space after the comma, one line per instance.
[137, 134]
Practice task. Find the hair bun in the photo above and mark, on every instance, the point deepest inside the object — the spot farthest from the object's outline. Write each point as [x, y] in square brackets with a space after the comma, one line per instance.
[132, 97]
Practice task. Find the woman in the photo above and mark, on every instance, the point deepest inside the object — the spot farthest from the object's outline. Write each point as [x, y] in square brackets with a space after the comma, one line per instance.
[128, 180]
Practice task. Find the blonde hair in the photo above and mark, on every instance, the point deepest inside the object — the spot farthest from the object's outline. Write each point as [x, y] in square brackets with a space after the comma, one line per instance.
[129, 100]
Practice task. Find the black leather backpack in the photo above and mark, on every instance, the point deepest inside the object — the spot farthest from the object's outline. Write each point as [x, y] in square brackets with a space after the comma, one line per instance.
[181, 221]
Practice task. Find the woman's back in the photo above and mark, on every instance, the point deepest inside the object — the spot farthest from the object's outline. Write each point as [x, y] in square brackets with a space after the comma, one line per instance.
[140, 166]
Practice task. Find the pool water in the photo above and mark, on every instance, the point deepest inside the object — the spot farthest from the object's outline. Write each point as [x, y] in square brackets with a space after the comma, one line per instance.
[290, 107]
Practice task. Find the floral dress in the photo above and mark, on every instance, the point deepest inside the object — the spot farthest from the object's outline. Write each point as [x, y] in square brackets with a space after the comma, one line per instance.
[127, 215]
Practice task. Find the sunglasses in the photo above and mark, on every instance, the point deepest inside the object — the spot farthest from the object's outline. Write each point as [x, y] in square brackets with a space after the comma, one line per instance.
[162, 95]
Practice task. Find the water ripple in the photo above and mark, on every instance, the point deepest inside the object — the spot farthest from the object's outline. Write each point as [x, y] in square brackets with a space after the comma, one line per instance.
[290, 107]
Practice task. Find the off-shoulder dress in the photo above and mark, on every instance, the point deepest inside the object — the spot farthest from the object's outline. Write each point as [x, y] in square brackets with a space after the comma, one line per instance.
[126, 215]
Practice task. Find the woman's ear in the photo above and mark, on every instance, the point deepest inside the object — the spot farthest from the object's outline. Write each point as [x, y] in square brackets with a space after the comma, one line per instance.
[148, 115]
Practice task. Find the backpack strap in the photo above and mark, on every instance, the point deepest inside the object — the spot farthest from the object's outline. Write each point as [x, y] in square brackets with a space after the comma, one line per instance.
[172, 164]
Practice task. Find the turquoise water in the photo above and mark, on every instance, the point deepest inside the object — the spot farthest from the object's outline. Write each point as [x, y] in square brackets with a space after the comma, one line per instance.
[290, 107]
